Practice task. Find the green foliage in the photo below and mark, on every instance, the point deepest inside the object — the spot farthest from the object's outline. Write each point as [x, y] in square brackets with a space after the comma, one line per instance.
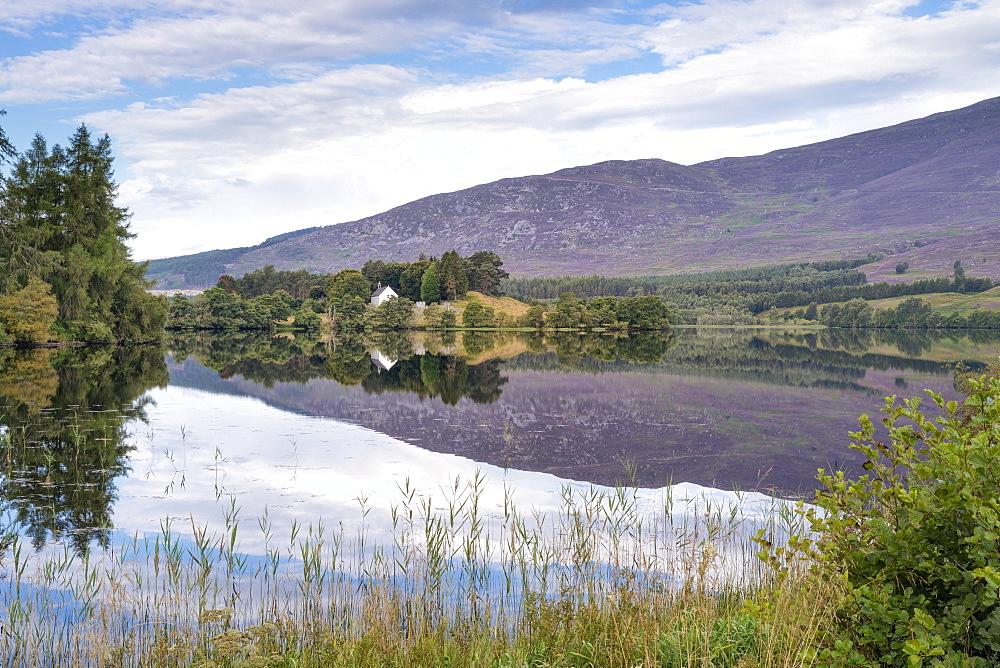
[299, 284]
[569, 312]
[27, 315]
[61, 226]
[454, 281]
[392, 274]
[646, 312]
[477, 314]
[348, 283]
[534, 317]
[275, 306]
[395, 313]
[307, 320]
[349, 313]
[484, 272]
[917, 538]
[649, 312]
[6, 149]
[901, 267]
[854, 314]
[411, 280]
[88, 331]
[219, 308]
[770, 279]
[438, 316]
[347, 294]
[430, 287]
[374, 271]
[737, 296]
[182, 314]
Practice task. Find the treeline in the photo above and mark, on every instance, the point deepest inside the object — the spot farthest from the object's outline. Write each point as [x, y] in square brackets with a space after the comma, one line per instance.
[203, 269]
[912, 313]
[267, 298]
[217, 308]
[65, 271]
[299, 285]
[872, 291]
[739, 296]
[647, 312]
[751, 280]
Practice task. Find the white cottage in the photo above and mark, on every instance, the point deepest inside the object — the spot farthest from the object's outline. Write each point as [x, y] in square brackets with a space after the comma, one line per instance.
[382, 295]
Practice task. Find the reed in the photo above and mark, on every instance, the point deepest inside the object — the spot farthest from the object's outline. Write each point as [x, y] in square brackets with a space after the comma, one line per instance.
[609, 580]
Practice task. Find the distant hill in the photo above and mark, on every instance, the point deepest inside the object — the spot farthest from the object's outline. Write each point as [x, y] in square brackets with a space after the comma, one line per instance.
[927, 191]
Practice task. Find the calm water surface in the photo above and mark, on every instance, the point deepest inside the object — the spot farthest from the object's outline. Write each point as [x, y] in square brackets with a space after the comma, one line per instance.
[100, 439]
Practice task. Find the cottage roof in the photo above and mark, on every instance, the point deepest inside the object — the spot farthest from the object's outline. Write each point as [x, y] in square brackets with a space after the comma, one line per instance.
[383, 290]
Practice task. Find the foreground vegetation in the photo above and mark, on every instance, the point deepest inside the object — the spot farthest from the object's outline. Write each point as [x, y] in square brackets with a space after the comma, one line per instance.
[609, 581]
[897, 567]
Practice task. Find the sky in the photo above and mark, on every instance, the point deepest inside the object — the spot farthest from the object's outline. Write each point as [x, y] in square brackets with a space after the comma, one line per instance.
[232, 121]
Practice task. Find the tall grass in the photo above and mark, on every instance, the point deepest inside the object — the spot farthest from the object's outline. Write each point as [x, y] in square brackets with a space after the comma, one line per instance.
[611, 579]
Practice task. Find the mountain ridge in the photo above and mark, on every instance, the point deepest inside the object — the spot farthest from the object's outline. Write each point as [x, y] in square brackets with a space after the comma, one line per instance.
[926, 190]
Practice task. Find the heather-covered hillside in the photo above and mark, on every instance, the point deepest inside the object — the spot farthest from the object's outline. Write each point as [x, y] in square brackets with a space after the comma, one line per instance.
[927, 191]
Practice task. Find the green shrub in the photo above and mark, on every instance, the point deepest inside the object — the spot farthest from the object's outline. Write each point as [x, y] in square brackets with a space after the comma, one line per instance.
[89, 331]
[478, 315]
[917, 538]
[306, 319]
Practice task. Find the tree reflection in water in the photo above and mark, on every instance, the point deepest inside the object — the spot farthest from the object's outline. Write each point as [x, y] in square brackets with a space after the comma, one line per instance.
[65, 418]
[447, 367]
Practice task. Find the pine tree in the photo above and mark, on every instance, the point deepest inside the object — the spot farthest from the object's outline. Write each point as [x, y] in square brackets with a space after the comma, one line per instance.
[6, 149]
[60, 224]
[451, 270]
[484, 272]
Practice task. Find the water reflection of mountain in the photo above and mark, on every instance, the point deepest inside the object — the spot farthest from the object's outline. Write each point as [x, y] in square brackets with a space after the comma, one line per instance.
[66, 414]
[726, 408]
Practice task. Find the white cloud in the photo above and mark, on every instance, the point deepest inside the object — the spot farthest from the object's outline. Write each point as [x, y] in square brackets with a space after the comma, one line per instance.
[316, 142]
[446, 98]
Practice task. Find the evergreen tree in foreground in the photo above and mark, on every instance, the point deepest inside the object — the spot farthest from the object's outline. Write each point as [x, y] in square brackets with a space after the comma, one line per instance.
[59, 224]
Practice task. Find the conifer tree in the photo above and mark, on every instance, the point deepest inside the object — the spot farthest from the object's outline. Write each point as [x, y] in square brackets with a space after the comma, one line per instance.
[60, 224]
[451, 271]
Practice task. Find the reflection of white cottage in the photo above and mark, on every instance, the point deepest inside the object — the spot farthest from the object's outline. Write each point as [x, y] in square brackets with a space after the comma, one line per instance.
[382, 295]
[381, 362]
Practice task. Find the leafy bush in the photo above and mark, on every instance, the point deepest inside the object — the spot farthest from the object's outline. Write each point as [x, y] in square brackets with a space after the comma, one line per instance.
[306, 319]
[917, 538]
[27, 315]
[395, 313]
[478, 315]
[89, 331]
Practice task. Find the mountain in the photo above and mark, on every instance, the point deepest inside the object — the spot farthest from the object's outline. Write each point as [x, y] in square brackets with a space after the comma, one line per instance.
[927, 191]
